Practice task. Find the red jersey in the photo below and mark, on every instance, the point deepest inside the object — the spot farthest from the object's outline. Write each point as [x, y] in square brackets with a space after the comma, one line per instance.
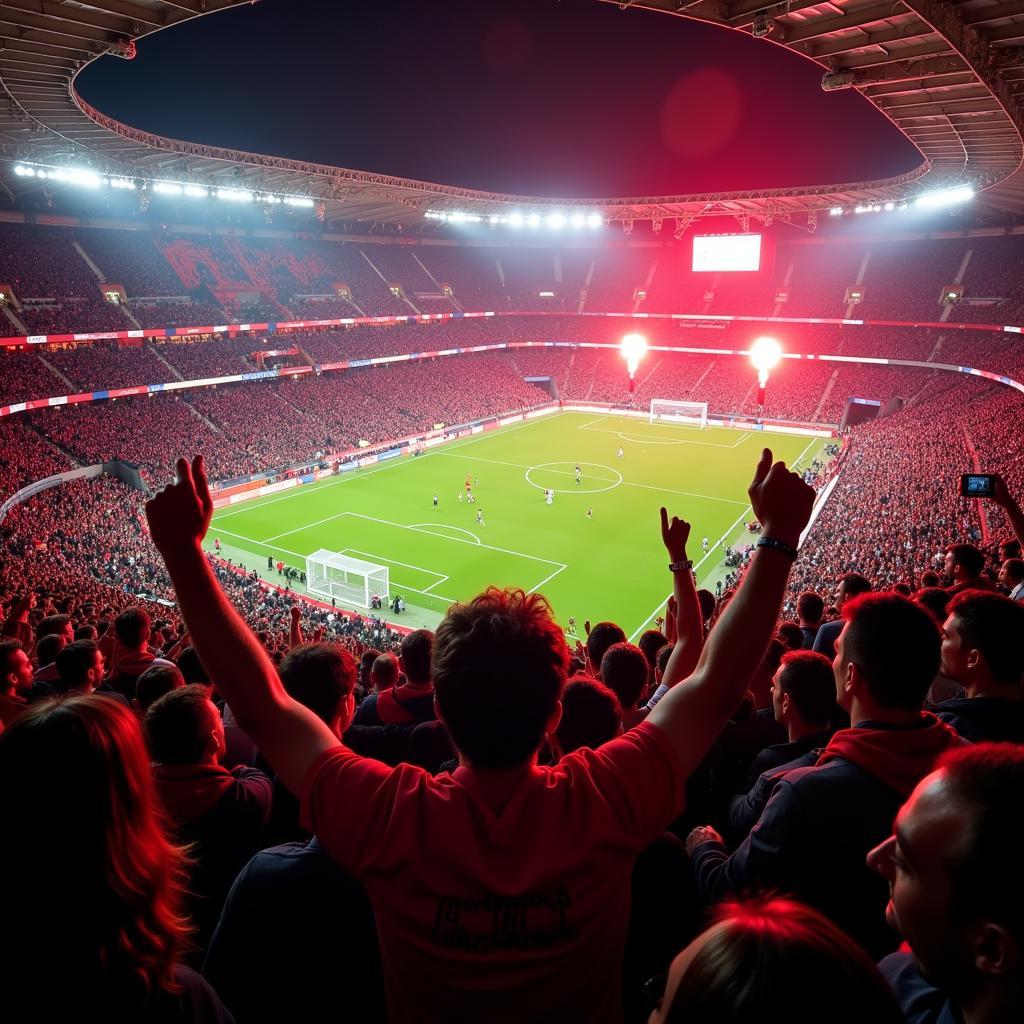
[510, 914]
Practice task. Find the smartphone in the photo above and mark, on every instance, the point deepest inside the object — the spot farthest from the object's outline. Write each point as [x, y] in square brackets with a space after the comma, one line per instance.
[977, 485]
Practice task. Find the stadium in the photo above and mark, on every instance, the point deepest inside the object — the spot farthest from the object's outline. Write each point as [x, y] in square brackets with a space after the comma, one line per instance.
[450, 438]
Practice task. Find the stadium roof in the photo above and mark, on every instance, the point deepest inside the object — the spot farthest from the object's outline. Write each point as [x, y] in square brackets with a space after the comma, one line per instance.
[949, 75]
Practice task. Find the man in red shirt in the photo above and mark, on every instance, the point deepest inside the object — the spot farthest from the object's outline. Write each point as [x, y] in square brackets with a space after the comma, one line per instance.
[501, 890]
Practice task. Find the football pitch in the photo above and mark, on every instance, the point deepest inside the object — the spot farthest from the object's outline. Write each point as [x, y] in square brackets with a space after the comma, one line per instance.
[610, 565]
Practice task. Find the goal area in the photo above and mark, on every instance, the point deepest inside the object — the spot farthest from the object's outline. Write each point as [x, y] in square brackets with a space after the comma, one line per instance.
[664, 410]
[330, 574]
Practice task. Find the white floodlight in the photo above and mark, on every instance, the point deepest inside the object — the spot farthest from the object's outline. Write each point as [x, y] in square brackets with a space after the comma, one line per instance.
[196, 191]
[235, 195]
[167, 188]
[515, 219]
[556, 220]
[835, 211]
[889, 207]
[533, 220]
[946, 197]
[595, 220]
[578, 220]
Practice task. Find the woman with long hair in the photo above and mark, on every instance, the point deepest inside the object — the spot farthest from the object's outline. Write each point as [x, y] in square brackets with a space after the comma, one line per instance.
[93, 888]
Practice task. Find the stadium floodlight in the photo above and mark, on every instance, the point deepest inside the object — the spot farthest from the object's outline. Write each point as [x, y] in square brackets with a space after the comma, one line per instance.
[235, 195]
[633, 348]
[167, 188]
[946, 197]
[765, 353]
[556, 220]
[515, 218]
[835, 211]
[578, 220]
[595, 220]
[533, 220]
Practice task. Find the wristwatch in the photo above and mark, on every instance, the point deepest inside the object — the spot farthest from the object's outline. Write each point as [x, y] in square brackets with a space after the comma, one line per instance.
[686, 563]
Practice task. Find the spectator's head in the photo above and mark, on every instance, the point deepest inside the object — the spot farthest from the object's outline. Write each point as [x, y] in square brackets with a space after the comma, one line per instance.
[1009, 548]
[132, 628]
[499, 667]
[161, 677]
[774, 959]
[903, 589]
[791, 635]
[322, 677]
[86, 632]
[707, 602]
[982, 645]
[192, 668]
[185, 727]
[761, 682]
[85, 798]
[955, 885]
[804, 690]
[810, 607]
[624, 672]
[929, 579]
[49, 647]
[886, 656]
[963, 562]
[1011, 573]
[935, 600]
[651, 641]
[662, 661]
[80, 667]
[416, 651]
[601, 637]
[591, 715]
[366, 660]
[56, 625]
[851, 585]
[15, 668]
[384, 672]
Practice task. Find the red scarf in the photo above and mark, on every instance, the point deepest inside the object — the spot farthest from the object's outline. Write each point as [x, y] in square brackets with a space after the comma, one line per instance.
[898, 758]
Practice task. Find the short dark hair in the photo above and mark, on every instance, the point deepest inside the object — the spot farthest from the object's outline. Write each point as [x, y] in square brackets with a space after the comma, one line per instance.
[7, 648]
[52, 625]
[73, 662]
[499, 667]
[855, 584]
[1014, 568]
[651, 641]
[132, 627]
[929, 580]
[663, 655]
[601, 637]
[706, 601]
[386, 669]
[791, 635]
[591, 715]
[624, 672]
[161, 677]
[810, 683]
[993, 625]
[416, 651]
[319, 676]
[988, 778]
[49, 647]
[810, 606]
[935, 599]
[178, 724]
[192, 667]
[86, 632]
[902, 588]
[969, 557]
[895, 644]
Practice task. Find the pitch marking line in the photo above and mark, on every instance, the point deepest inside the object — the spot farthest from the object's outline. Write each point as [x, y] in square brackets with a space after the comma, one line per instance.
[433, 527]
[547, 579]
[637, 438]
[394, 561]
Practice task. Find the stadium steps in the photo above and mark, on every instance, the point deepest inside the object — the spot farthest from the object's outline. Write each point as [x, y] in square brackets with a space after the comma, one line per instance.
[100, 276]
[700, 380]
[430, 276]
[824, 396]
[131, 316]
[20, 329]
[195, 412]
[936, 349]
[67, 453]
[53, 369]
[375, 269]
[170, 366]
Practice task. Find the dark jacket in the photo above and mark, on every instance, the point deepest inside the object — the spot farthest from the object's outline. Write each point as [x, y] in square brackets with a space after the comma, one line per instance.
[920, 1002]
[821, 821]
[984, 719]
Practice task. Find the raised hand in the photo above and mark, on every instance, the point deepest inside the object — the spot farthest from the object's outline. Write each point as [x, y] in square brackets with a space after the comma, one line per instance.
[674, 536]
[179, 515]
[781, 500]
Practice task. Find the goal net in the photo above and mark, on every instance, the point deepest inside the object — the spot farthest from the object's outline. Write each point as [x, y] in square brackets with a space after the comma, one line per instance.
[329, 574]
[666, 411]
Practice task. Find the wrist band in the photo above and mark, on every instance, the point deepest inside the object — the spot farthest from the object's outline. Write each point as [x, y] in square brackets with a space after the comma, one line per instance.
[777, 545]
[686, 563]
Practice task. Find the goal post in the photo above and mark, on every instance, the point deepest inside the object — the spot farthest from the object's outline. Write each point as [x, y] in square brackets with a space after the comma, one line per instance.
[330, 574]
[665, 410]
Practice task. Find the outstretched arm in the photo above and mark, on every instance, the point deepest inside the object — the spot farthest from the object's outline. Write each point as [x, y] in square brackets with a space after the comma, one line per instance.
[689, 627]
[1009, 505]
[694, 712]
[289, 735]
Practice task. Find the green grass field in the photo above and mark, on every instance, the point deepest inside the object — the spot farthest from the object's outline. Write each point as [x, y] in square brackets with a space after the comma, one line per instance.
[611, 566]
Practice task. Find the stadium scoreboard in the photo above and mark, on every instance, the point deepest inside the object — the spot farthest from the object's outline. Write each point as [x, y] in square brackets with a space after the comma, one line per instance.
[726, 253]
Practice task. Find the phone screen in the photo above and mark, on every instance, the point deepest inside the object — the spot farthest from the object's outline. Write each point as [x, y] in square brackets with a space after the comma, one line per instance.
[977, 485]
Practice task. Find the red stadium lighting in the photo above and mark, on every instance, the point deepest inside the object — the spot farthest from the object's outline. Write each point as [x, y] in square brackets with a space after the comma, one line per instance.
[765, 354]
[633, 348]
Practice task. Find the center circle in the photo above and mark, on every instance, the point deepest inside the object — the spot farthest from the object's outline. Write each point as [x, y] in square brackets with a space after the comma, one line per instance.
[569, 470]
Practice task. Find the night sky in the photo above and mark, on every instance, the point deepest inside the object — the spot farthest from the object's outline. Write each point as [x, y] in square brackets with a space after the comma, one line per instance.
[571, 98]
